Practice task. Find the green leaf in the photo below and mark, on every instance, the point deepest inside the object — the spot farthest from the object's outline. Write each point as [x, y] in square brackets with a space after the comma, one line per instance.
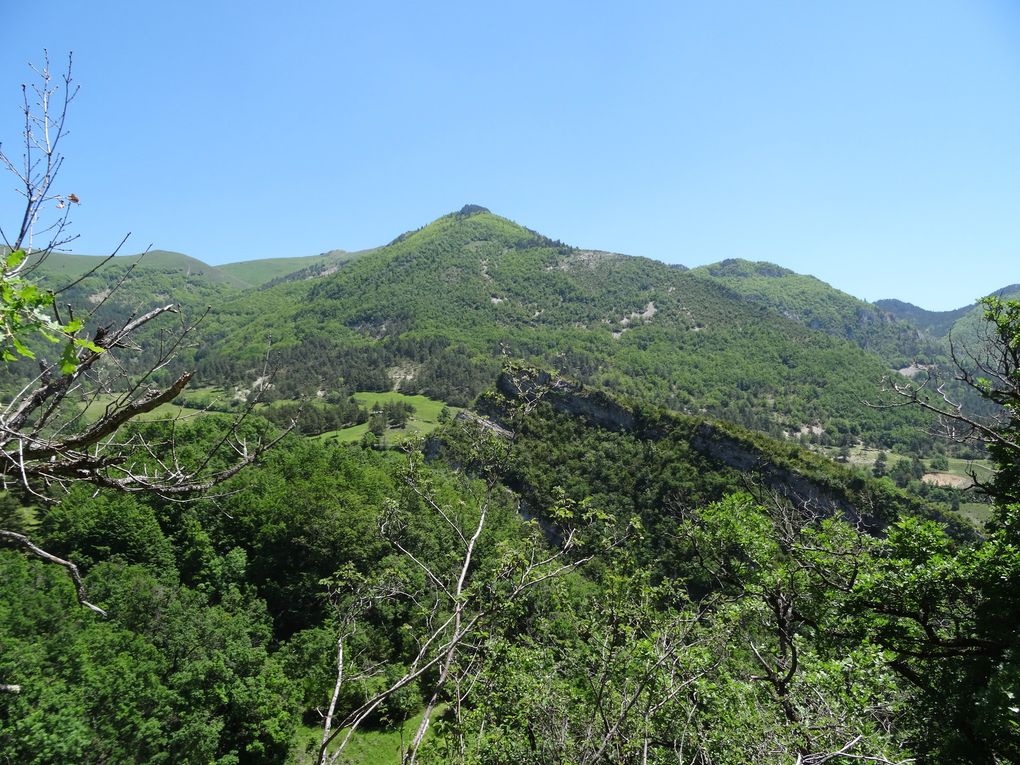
[21, 348]
[15, 259]
[83, 342]
[68, 360]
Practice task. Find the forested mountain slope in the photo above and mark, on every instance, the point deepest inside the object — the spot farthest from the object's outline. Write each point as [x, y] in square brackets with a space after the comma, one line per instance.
[583, 555]
[221, 632]
[940, 324]
[438, 309]
[646, 460]
[130, 283]
[819, 306]
[935, 323]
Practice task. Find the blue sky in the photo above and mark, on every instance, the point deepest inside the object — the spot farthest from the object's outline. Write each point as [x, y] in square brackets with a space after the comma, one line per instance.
[875, 145]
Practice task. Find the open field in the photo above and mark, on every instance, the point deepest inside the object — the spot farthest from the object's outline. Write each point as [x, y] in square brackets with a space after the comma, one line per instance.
[978, 512]
[864, 457]
[981, 468]
[201, 401]
[168, 411]
[424, 420]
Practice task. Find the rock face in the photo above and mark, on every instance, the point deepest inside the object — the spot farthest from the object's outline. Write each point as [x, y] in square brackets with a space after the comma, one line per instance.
[569, 398]
[483, 422]
[471, 210]
[800, 489]
[813, 490]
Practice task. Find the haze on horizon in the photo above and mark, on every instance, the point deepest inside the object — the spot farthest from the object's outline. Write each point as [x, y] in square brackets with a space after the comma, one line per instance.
[873, 146]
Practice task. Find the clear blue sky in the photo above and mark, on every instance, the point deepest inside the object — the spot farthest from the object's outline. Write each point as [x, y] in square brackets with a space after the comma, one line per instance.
[875, 145]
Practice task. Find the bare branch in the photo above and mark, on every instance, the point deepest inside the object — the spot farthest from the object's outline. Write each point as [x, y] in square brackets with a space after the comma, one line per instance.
[79, 585]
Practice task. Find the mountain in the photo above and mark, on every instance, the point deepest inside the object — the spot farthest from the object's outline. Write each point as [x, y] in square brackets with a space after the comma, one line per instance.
[939, 324]
[110, 291]
[935, 323]
[256, 273]
[439, 309]
[59, 268]
[817, 305]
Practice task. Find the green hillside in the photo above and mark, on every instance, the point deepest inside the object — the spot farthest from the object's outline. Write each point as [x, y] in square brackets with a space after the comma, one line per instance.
[935, 323]
[437, 310]
[817, 305]
[108, 293]
[940, 324]
[59, 266]
[595, 541]
[256, 273]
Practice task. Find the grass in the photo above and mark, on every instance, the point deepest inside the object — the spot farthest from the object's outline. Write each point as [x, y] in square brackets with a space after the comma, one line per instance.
[369, 746]
[207, 396]
[204, 400]
[169, 411]
[978, 512]
[865, 457]
[263, 270]
[981, 468]
[258, 272]
[64, 267]
[424, 420]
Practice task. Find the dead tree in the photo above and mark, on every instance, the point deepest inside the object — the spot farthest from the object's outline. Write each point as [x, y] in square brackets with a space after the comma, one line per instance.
[50, 436]
[461, 599]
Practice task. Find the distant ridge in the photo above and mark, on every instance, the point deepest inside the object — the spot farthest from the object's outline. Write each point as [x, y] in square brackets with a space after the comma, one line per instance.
[817, 305]
[58, 265]
[937, 323]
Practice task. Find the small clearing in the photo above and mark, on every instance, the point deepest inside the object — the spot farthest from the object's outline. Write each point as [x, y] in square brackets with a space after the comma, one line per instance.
[424, 420]
[914, 369]
[948, 480]
[401, 374]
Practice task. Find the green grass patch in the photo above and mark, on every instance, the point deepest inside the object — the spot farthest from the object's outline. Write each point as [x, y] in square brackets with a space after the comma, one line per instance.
[207, 396]
[263, 270]
[424, 420]
[369, 746]
[425, 409]
[981, 468]
[200, 401]
[349, 435]
[978, 512]
[98, 407]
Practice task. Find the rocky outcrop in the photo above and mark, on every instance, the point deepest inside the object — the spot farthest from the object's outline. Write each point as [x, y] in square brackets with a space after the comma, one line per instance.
[823, 490]
[805, 492]
[569, 398]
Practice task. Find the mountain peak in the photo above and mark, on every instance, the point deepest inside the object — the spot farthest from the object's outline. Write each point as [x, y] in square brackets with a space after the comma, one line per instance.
[738, 267]
[467, 210]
